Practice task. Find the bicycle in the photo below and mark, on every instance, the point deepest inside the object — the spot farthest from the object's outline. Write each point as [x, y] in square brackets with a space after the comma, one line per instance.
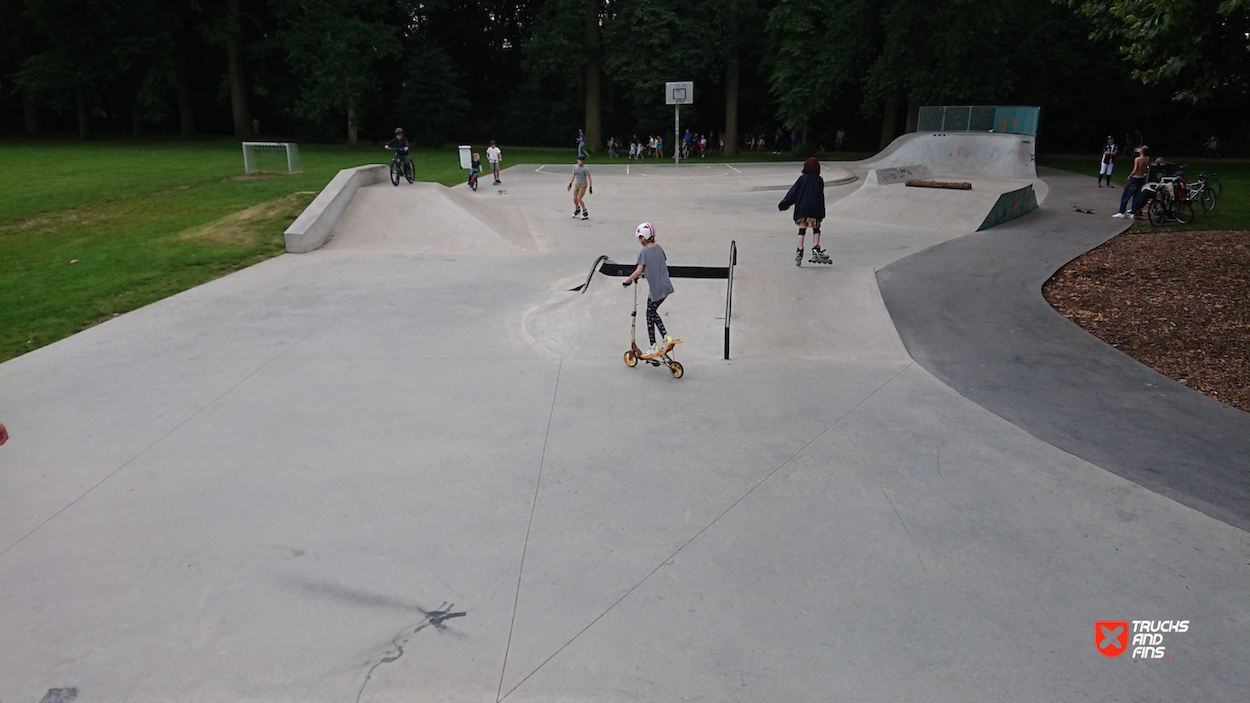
[1211, 183]
[1167, 203]
[402, 167]
[1199, 191]
[473, 180]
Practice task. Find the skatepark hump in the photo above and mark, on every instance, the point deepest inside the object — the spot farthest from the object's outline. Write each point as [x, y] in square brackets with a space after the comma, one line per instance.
[428, 218]
[1001, 168]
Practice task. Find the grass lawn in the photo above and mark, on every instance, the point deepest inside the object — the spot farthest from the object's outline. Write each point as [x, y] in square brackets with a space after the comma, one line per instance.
[1231, 212]
[90, 230]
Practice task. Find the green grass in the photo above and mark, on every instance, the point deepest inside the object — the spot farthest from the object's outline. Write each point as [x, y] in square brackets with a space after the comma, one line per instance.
[1231, 212]
[89, 230]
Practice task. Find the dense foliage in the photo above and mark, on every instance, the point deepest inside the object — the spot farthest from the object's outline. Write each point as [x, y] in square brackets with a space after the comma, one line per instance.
[537, 71]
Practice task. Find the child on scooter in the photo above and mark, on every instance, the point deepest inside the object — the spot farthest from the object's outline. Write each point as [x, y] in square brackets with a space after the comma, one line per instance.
[653, 264]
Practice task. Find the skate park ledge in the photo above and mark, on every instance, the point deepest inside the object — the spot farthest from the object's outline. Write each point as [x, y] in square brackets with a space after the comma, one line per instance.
[313, 227]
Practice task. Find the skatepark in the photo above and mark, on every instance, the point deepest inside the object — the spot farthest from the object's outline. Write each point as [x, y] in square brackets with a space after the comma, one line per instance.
[410, 463]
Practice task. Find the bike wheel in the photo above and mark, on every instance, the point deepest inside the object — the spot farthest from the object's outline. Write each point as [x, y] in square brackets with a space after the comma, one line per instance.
[410, 172]
[394, 173]
[473, 183]
[1213, 184]
[1157, 212]
[1207, 199]
[1184, 213]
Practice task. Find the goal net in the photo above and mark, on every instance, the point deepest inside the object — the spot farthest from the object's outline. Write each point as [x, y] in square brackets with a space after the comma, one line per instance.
[271, 157]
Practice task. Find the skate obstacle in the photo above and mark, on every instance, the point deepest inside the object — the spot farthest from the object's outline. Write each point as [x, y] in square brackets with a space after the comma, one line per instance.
[313, 227]
[607, 267]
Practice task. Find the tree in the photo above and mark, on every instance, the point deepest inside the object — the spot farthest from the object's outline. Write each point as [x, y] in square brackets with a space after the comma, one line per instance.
[565, 45]
[432, 102]
[90, 42]
[1198, 47]
[333, 48]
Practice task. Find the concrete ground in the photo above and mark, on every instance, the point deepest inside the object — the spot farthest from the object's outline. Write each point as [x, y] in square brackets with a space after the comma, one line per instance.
[283, 485]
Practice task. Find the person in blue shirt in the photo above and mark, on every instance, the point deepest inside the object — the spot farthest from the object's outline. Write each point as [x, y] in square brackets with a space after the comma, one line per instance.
[807, 195]
[399, 144]
[475, 166]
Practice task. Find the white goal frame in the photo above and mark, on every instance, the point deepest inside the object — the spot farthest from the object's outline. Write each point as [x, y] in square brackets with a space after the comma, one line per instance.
[276, 156]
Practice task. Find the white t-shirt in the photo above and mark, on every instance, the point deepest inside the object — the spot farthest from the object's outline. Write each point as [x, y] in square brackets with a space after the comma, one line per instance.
[492, 154]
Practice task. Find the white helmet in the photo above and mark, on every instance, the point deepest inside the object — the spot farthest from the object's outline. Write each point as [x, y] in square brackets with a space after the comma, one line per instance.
[645, 230]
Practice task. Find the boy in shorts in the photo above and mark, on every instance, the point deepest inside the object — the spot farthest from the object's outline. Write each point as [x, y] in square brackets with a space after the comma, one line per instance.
[579, 183]
[1109, 151]
[494, 155]
[653, 265]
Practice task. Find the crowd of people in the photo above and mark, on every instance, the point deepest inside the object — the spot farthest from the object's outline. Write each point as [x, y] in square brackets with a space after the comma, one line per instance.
[698, 145]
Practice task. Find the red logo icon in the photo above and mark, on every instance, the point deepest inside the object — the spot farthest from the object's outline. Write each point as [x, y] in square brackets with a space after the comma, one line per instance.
[1111, 637]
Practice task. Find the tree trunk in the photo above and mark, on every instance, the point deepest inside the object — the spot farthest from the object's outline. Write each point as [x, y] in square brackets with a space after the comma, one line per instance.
[234, 65]
[30, 111]
[84, 117]
[594, 125]
[913, 114]
[889, 123]
[351, 123]
[731, 85]
[186, 114]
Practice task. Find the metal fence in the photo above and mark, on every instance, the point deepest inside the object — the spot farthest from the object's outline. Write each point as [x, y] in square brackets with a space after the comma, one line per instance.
[1012, 119]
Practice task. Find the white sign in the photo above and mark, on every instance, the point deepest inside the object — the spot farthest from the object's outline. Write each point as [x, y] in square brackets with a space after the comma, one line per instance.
[679, 93]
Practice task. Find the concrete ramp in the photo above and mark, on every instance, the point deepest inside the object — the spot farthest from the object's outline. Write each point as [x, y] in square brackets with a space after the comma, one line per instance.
[428, 218]
[1009, 157]
[832, 314]
[937, 209]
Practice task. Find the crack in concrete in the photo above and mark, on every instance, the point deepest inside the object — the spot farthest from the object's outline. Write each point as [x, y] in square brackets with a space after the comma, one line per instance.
[435, 618]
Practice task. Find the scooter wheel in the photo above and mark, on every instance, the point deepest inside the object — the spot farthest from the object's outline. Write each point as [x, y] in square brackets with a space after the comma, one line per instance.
[631, 360]
[676, 369]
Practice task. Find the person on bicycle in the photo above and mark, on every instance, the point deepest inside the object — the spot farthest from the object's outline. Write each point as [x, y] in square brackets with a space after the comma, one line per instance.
[475, 166]
[400, 145]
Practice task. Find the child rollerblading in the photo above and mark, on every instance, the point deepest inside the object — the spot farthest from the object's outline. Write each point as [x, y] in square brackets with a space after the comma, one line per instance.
[580, 182]
[653, 264]
[807, 195]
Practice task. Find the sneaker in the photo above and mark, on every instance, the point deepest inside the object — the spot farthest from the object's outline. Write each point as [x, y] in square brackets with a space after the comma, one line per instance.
[656, 348]
[668, 338]
[1131, 216]
[1118, 214]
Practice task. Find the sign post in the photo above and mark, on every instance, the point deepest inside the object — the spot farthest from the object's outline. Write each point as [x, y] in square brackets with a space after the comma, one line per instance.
[678, 93]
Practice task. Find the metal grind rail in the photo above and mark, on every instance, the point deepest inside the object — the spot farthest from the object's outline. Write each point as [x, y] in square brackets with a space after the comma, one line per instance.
[607, 267]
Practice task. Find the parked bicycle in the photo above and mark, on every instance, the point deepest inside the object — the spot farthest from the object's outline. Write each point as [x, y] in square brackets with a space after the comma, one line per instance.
[1168, 200]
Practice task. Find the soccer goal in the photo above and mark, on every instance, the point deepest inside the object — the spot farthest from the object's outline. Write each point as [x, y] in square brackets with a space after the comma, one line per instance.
[271, 157]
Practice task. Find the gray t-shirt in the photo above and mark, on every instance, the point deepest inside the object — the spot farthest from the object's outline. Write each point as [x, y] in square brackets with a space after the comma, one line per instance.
[580, 174]
[655, 269]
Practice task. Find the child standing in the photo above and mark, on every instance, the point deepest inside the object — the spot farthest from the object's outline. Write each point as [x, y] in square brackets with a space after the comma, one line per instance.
[495, 156]
[1109, 151]
[579, 183]
[653, 264]
[807, 195]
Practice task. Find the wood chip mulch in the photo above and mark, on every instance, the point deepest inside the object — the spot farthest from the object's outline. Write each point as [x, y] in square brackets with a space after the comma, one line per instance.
[1179, 302]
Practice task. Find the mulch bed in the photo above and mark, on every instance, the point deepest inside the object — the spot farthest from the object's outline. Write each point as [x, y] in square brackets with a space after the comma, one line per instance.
[1179, 302]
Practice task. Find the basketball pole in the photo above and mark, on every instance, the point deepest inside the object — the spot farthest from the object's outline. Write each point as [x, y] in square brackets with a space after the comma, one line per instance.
[677, 135]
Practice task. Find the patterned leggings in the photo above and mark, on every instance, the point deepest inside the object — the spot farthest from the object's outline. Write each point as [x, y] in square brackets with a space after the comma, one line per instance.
[653, 319]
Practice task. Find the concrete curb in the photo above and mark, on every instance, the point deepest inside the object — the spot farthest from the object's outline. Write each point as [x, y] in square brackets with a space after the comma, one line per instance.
[315, 224]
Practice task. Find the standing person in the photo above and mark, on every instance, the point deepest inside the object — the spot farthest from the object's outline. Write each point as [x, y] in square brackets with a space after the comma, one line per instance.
[581, 147]
[659, 147]
[685, 143]
[494, 156]
[777, 141]
[838, 139]
[1109, 150]
[807, 195]
[653, 265]
[1138, 140]
[580, 182]
[1212, 147]
[1132, 187]
[256, 128]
